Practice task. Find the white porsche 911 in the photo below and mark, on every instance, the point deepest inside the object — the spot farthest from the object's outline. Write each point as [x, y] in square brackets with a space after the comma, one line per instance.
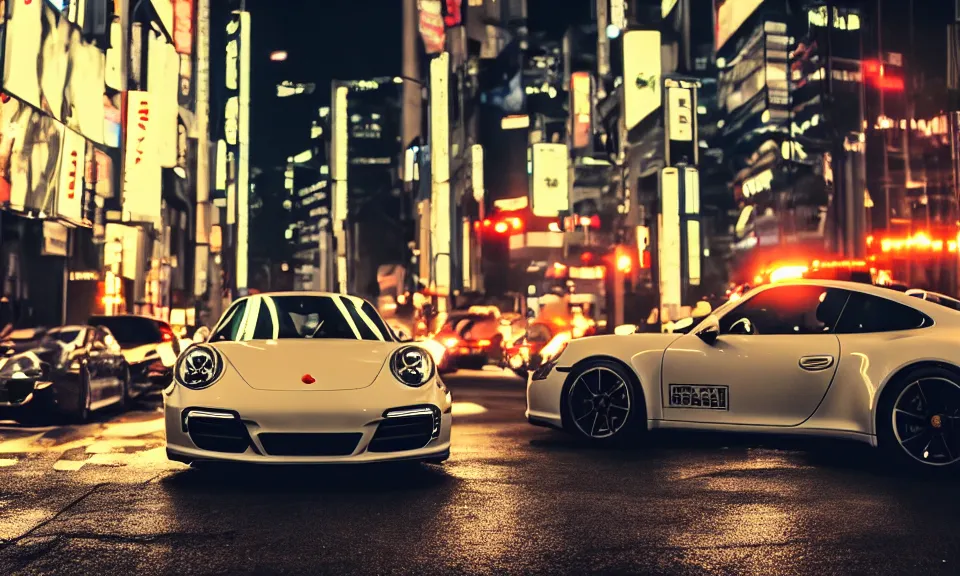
[303, 377]
[826, 358]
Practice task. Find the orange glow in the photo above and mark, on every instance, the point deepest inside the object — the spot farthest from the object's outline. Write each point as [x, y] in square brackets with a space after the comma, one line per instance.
[476, 225]
[451, 342]
[870, 240]
[483, 343]
[787, 273]
[818, 264]
[758, 279]
[624, 263]
[501, 228]
[516, 223]
[486, 222]
[919, 241]
[584, 220]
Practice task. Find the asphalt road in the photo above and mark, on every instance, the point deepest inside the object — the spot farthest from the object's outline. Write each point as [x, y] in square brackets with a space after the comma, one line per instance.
[513, 499]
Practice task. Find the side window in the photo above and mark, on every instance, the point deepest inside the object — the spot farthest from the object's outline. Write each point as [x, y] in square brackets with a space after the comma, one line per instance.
[865, 313]
[804, 309]
[230, 328]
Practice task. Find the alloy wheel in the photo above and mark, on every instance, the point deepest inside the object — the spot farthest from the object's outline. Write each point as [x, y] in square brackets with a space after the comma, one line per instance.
[599, 402]
[926, 421]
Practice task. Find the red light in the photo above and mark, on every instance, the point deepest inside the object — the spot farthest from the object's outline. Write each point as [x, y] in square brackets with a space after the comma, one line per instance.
[594, 221]
[486, 223]
[516, 223]
[501, 228]
[892, 83]
[476, 225]
[586, 257]
[871, 68]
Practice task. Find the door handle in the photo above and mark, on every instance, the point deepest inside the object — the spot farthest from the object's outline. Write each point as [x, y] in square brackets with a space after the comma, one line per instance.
[816, 363]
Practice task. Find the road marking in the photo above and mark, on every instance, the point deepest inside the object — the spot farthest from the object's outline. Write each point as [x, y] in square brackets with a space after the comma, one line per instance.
[4, 462]
[467, 409]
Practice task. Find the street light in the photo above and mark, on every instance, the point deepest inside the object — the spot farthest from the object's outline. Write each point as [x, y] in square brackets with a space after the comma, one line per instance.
[278, 55]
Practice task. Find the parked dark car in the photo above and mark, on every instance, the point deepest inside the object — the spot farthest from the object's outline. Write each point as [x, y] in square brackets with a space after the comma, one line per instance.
[21, 340]
[471, 341]
[81, 370]
[143, 340]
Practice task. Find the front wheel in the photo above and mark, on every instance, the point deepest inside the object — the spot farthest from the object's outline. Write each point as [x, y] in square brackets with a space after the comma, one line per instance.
[919, 420]
[601, 404]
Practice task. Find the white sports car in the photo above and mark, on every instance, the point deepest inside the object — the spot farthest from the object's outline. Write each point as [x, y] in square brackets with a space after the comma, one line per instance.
[304, 377]
[824, 358]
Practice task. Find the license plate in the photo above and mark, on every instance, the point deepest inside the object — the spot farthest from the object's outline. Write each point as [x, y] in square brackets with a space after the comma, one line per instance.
[700, 397]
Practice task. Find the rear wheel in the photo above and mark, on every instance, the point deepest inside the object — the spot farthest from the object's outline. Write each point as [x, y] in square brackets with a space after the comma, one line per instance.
[602, 405]
[919, 419]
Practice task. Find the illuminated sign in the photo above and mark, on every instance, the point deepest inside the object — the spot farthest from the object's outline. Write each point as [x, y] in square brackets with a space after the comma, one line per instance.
[183, 26]
[476, 157]
[141, 170]
[759, 183]
[70, 191]
[641, 75]
[731, 15]
[681, 113]
[84, 275]
[550, 189]
[432, 25]
[666, 6]
[580, 92]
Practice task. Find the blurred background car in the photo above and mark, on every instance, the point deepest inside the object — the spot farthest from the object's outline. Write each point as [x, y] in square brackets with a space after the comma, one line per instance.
[82, 370]
[471, 340]
[150, 346]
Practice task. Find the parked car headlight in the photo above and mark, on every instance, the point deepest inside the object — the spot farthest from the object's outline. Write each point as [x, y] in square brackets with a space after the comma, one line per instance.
[199, 367]
[412, 365]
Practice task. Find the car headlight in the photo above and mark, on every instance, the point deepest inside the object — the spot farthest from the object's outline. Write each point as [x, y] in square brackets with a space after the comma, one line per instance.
[199, 367]
[550, 355]
[412, 365]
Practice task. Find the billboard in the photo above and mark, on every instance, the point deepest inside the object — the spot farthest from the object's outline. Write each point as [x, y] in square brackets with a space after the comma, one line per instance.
[141, 169]
[51, 56]
[30, 145]
[731, 14]
[550, 190]
[163, 81]
[641, 75]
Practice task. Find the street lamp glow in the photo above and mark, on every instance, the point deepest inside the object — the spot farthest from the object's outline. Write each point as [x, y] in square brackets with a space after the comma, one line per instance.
[278, 55]
[613, 31]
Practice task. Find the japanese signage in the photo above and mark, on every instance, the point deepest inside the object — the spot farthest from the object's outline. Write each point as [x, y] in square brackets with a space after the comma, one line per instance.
[432, 25]
[141, 169]
[183, 26]
[72, 164]
[550, 187]
[681, 114]
[641, 75]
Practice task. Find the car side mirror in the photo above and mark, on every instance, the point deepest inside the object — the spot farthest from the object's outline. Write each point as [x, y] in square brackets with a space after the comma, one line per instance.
[709, 331]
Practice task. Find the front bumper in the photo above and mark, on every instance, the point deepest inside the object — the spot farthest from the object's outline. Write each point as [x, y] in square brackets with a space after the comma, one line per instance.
[307, 427]
[544, 399]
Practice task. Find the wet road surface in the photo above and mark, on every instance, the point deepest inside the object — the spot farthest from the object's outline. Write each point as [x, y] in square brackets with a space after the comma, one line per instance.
[513, 499]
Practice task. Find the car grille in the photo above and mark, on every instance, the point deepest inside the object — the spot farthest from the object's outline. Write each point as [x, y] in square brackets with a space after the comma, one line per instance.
[218, 434]
[338, 444]
[398, 433]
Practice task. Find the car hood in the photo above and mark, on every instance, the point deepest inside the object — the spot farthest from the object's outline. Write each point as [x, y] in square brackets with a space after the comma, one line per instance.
[282, 364]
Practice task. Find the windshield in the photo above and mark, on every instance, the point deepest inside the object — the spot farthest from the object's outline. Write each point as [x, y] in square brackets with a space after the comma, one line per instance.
[63, 336]
[294, 317]
[473, 327]
[130, 331]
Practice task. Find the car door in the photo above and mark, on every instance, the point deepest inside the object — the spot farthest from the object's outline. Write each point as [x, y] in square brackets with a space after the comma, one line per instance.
[111, 361]
[771, 365]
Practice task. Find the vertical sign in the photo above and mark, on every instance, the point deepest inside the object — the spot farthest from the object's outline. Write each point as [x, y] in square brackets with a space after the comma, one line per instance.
[476, 171]
[243, 168]
[340, 148]
[668, 241]
[550, 191]
[183, 26]
[440, 218]
[641, 75]
[70, 190]
[680, 101]
[141, 170]
[580, 93]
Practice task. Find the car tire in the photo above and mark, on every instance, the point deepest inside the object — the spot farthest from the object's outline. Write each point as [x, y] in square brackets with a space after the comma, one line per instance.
[603, 388]
[82, 413]
[126, 400]
[913, 434]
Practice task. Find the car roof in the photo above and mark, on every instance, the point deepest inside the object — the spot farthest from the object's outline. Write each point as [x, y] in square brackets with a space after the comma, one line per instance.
[936, 311]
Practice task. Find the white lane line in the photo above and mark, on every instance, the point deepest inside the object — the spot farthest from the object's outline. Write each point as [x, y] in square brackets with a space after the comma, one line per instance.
[467, 409]
[5, 462]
